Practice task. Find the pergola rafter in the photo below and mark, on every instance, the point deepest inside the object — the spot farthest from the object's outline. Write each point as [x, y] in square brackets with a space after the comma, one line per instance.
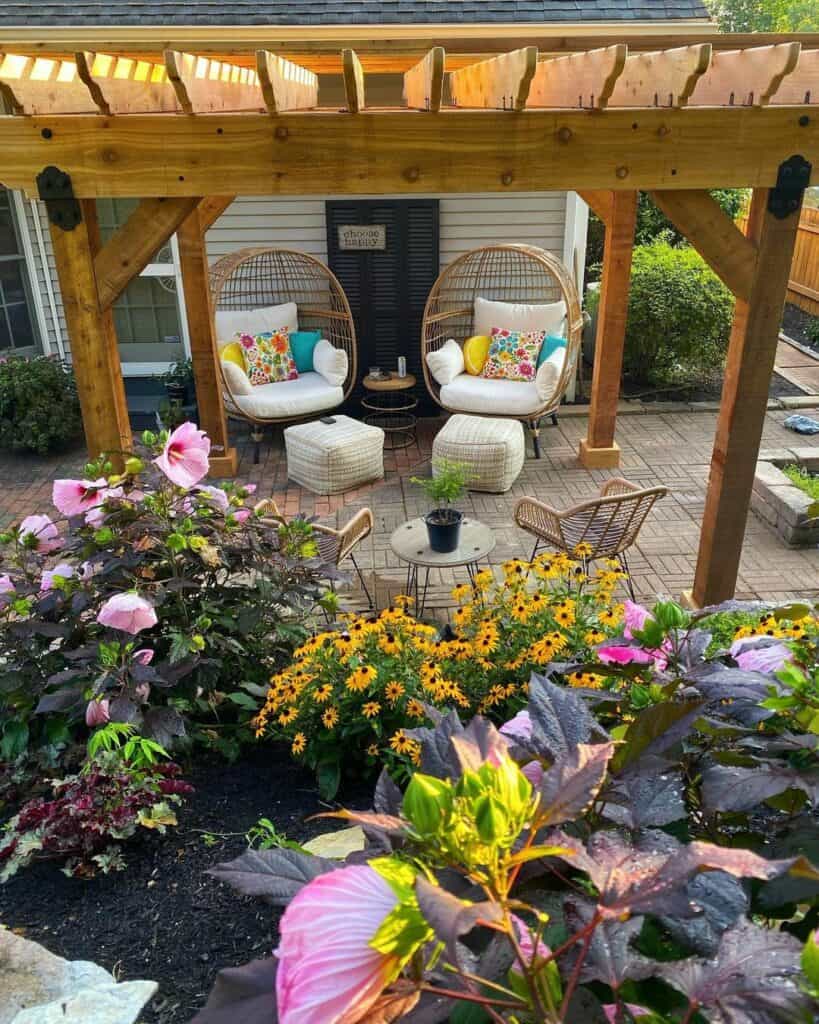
[674, 116]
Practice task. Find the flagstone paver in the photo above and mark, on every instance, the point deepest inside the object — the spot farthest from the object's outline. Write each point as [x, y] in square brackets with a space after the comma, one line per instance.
[671, 448]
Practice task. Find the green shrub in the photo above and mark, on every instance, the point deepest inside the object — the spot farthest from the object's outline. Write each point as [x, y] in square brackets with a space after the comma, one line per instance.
[679, 317]
[812, 330]
[39, 408]
[652, 222]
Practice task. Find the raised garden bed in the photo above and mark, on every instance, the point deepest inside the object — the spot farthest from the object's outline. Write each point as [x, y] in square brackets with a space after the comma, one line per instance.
[780, 502]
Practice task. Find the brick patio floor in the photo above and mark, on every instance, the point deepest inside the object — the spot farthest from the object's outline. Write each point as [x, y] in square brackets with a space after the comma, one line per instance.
[671, 448]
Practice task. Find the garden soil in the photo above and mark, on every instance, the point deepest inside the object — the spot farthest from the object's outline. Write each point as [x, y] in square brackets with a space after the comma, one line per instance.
[164, 918]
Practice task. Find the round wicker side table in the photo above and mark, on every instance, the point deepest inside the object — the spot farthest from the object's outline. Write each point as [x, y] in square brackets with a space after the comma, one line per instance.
[391, 406]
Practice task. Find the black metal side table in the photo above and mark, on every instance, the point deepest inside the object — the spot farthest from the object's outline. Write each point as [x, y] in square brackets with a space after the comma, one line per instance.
[391, 405]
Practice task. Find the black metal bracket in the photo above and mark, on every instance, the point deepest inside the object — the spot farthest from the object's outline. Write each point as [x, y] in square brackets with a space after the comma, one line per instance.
[792, 179]
[57, 192]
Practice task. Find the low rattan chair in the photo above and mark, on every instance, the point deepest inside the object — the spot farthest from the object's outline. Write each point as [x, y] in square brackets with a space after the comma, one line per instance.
[334, 545]
[505, 273]
[255, 278]
[608, 524]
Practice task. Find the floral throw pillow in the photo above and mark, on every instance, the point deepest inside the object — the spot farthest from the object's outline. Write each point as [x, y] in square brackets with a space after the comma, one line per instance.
[268, 357]
[513, 354]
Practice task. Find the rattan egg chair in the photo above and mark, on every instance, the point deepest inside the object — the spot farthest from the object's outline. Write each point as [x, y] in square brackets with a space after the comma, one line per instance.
[505, 273]
[253, 278]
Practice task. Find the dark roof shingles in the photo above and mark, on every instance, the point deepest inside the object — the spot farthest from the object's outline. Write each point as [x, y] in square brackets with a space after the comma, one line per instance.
[314, 12]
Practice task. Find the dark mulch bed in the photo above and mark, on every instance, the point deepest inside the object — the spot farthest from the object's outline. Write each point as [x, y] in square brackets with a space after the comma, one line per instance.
[164, 918]
[795, 324]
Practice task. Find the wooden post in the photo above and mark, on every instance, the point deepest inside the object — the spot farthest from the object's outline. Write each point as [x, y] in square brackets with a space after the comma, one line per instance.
[599, 450]
[750, 363]
[94, 352]
[193, 264]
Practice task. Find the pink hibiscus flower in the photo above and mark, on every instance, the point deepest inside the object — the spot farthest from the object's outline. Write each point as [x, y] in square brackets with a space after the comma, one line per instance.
[328, 972]
[527, 946]
[214, 496]
[128, 612]
[184, 460]
[144, 656]
[760, 659]
[634, 617]
[97, 713]
[64, 569]
[96, 516]
[241, 515]
[625, 655]
[43, 530]
[73, 497]
[6, 584]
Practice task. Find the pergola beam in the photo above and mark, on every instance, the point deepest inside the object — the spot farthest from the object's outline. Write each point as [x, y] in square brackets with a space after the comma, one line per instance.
[424, 83]
[456, 151]
[353, 81]
[193, 263]
[211, 209]
[599, 450]
[748, 371]
[94, 352]
[746, 77]
[285, 85]
[131, 247]
[663, 79]
[600, 201]
[730, 254]
[578, 80]
[206, 86]
[500, 83]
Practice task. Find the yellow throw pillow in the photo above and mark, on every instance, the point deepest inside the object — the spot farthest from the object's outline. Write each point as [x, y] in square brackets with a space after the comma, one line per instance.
[476, 350]
[232, 353]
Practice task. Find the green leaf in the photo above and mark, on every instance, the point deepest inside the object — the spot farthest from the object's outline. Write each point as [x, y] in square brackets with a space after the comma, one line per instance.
[652, 725]
[243, 700]
[468, 1013]
[328, 776]
[15, 739]
[792, 612]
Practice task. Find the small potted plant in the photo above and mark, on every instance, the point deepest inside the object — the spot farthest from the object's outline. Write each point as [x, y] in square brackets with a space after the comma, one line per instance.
[447, 484]
[178, 381]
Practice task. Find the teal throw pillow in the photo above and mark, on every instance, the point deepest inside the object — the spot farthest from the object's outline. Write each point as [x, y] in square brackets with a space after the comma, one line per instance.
[302, 344]
[551, 343]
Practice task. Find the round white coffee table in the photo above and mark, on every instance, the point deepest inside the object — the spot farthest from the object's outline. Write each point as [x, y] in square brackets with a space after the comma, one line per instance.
[411, 543]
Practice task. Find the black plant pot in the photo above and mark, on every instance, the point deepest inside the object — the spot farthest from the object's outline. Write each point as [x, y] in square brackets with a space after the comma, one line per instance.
[444, 529]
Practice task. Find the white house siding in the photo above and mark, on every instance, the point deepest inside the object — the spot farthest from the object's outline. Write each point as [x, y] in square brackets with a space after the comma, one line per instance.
[43, 273]
[466, 222]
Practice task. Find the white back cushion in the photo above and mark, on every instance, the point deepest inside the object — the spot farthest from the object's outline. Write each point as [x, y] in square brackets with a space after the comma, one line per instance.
[518, 316]
[255, 321]
[548, 374]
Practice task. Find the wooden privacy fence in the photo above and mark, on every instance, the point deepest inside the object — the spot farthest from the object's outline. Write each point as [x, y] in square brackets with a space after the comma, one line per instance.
[803, 285]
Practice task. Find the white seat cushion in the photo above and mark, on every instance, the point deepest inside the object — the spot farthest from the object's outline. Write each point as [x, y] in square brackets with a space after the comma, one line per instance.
[487, 395]
[308, 394]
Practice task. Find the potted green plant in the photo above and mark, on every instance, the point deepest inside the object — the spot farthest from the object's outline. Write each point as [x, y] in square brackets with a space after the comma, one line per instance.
[447, 484]
[178, 380]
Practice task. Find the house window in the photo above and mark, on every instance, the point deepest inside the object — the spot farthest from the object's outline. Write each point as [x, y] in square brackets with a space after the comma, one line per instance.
[147, 314]
[17, 331]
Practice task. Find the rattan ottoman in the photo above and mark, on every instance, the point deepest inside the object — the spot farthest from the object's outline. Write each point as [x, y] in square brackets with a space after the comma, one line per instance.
[328, 458]
[494, 450]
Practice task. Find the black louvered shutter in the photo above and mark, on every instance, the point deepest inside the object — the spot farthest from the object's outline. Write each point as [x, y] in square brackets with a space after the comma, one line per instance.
[387, 289]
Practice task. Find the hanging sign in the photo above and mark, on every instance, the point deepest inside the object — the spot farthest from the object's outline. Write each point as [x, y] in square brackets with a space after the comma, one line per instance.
[362, 236]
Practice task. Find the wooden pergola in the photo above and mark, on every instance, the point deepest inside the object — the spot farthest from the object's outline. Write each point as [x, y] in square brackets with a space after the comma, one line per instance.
[186, 133]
